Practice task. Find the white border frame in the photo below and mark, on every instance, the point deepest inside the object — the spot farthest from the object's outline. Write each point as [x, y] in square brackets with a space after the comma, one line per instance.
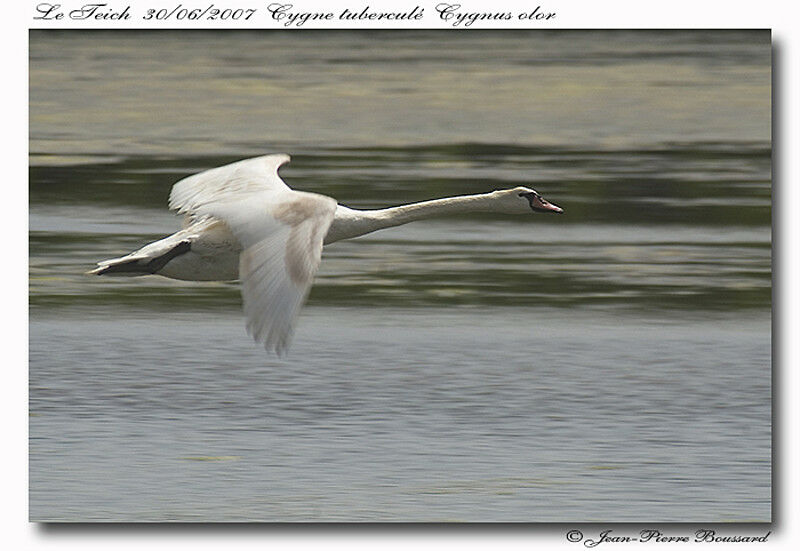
[698, 14]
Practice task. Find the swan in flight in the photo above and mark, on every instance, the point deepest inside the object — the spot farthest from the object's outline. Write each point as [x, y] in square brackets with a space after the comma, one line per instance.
[242, 222]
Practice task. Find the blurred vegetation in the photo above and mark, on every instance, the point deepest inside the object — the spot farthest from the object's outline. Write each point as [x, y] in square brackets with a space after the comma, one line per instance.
[697, 184]
[712, 189]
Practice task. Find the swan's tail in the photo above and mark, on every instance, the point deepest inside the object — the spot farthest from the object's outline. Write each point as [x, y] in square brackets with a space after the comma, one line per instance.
[141, 262]
[123, 266]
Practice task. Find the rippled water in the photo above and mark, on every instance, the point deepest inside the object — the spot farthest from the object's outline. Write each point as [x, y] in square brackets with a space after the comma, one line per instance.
[610, 364]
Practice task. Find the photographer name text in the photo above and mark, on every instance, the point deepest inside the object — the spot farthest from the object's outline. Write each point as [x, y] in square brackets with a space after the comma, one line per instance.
[702, 535]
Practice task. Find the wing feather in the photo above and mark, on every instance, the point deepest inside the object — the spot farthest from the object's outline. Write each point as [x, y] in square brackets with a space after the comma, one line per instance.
[276, 267]
[244, 177]
[281, 233]
[281, 236]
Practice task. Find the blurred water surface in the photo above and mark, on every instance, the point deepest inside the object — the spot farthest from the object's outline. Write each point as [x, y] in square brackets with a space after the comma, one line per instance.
[610, 364]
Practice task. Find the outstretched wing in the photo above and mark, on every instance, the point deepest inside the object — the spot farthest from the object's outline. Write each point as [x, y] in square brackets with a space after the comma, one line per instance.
[281, 233]
[241, 178]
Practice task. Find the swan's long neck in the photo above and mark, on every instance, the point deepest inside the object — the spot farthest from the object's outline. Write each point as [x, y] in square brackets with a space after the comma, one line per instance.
[349, 223]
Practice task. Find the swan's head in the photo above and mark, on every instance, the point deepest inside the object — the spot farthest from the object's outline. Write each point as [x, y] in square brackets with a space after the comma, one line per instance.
[524, 200]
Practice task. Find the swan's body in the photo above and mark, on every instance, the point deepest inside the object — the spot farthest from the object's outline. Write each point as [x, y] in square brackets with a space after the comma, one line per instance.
[243, 222]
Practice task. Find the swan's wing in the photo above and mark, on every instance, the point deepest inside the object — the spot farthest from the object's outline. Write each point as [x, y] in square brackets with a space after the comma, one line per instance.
[281, 232]
[241, 178]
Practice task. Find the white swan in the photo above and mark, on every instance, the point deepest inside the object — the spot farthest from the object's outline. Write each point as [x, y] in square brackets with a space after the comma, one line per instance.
[243, 222]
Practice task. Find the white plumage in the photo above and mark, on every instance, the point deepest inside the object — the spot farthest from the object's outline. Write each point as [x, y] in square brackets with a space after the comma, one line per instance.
[243, 221]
